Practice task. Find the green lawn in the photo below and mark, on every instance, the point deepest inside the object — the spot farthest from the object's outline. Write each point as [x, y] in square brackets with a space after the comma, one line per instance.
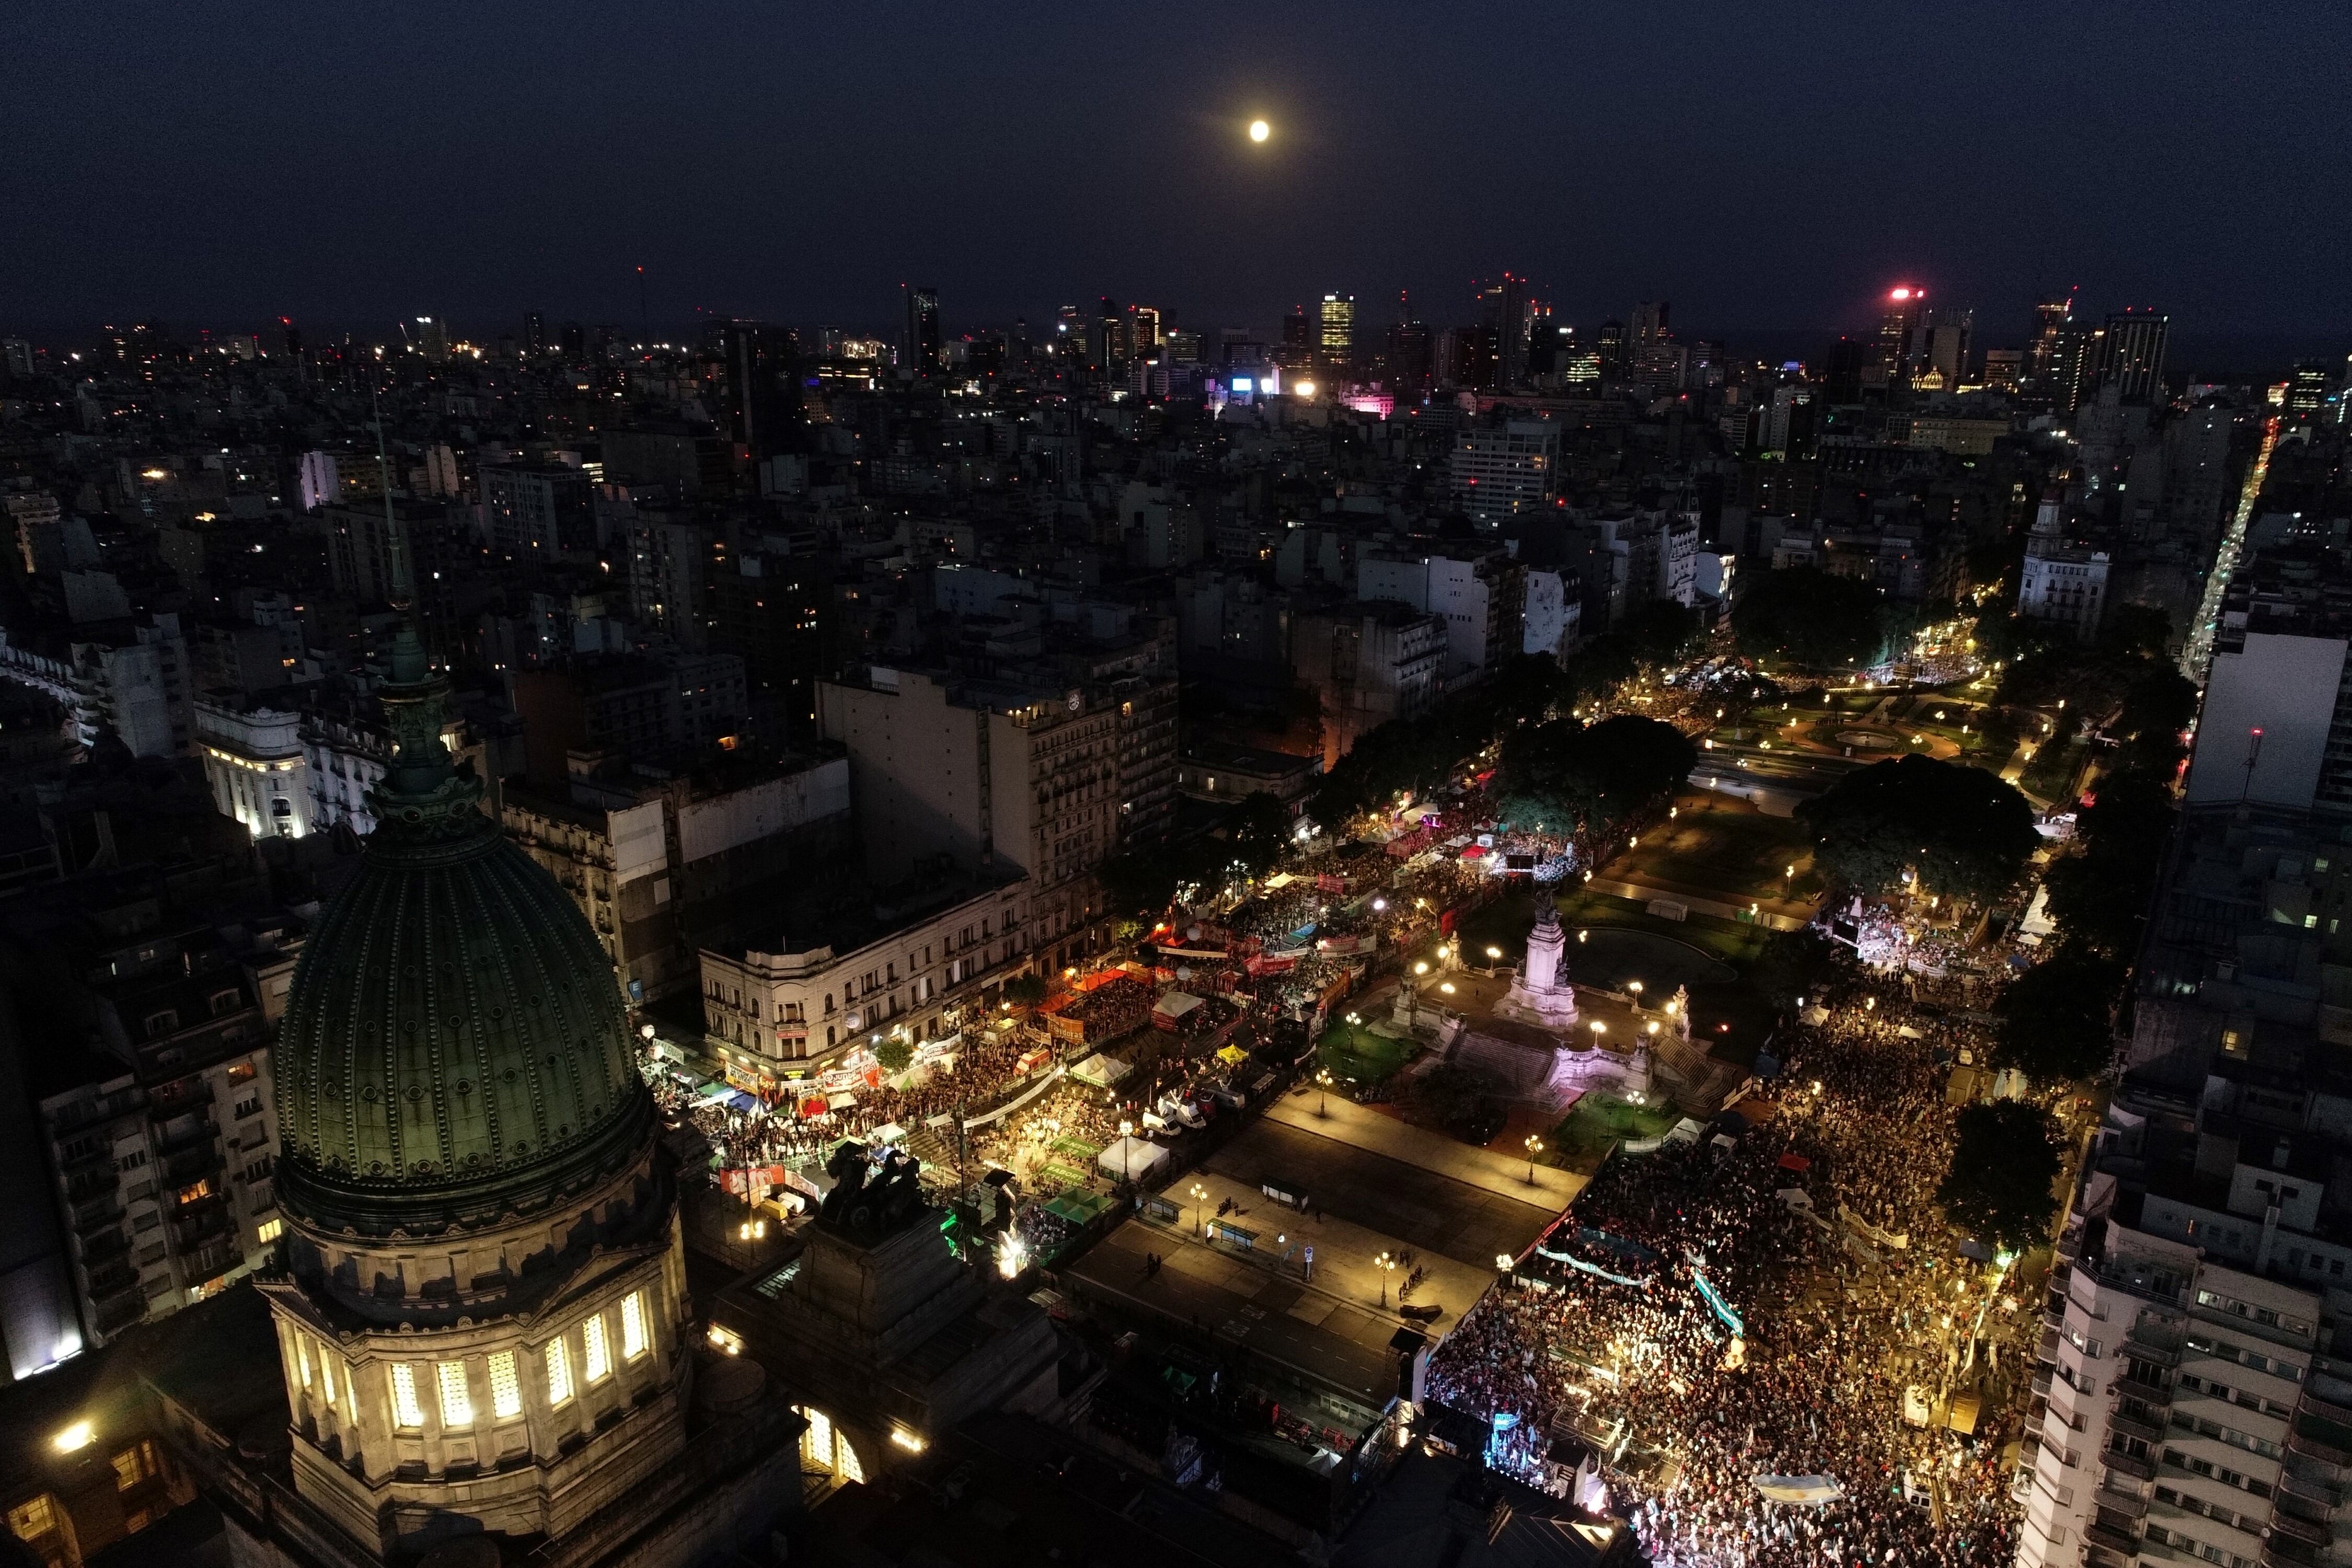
[1739, 856]
[1598, 1121]
[1358, 1054]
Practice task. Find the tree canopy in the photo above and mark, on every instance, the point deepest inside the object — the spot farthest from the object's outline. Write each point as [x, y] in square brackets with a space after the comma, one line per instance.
[1808, 617]
[2057, 1019]
[1961, 831]
[1997, 1188]
[1564, 776]
[2099, 896]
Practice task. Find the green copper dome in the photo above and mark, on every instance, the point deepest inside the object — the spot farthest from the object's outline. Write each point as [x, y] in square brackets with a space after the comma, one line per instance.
[454, 1046]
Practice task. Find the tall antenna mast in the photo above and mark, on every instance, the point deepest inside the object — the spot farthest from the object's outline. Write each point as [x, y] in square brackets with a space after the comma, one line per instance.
[402, 590]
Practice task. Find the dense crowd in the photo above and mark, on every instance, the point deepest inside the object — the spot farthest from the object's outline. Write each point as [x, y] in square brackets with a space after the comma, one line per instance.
[1837, 1322]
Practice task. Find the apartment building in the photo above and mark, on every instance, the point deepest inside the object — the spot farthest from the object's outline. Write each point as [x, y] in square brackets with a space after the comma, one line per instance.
[663, 863]
[912, 962]
[2185, 1413]
[255, 759]
[998, 778]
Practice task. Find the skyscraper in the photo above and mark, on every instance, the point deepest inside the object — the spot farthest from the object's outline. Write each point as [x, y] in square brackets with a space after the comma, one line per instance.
[1900, 341]
[2131, 354]
[1503, 305]
[1609, 343]
[762, 384]
[2053, 334]
[1338, 339]
[1409, 350]
[535, 332]
[921, 346]
[1651, 323]
[1297, 351]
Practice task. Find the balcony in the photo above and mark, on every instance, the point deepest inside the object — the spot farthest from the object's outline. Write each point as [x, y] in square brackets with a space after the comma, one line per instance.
[2129, 1504]
[192, 1164]
[2125, 1464]
[200, 1129]
[2132, 1425]
[2042, 1382]
[2111, 1538]
[98, 1213]
[2298, 1529]
[114, 1314]
[2146, 1393]
[2312, 1448]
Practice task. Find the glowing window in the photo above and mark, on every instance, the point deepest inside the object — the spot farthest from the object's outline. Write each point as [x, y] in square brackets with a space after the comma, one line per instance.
[31, 1521]
[271, 1230]
[506, 1390]
[559, 1372]
[816, 1442]
[633, 1325]
[599, 1360]
[456, 1400]
[405, 1411]
[845, 1461]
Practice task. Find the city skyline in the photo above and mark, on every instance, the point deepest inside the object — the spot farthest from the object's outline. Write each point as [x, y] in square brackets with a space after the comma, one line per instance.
[763, 172]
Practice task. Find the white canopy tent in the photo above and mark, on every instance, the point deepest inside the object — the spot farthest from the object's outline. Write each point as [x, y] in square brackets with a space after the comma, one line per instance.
[1131, 1159]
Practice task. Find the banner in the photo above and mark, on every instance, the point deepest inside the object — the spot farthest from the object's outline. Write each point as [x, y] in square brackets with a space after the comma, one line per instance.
[1884, 1237]
[1573, 1261]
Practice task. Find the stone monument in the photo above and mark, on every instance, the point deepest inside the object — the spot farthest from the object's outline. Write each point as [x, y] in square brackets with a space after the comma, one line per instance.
[1541, 994]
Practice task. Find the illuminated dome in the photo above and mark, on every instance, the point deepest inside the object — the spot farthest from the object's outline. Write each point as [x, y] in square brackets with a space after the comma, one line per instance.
[454, 1047]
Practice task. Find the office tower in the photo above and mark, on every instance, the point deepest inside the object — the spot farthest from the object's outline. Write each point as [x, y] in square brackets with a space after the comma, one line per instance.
[2131, 354]
[920, 346]
[1103, 332]
[433, 339]
[1503, 306]
[2053, 335]
[1944, 344]
[1609, 343]
[761, 385]
[1651, 323]
[1143, 330]
[1504, 469]
[572, 341]
[2309, 387]
[16, 356]
[1337, 338]
[534, 333]
[1183, 347]
[1409, 350]
[1841, 375]
[1900, 340]
[1297, 349]
[1466, 358]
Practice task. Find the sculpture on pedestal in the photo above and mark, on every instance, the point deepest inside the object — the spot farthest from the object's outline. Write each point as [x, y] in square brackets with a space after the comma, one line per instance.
[1541, 994]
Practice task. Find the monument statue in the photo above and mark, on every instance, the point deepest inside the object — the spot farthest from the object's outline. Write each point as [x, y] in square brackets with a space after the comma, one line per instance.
[1540, 994]
[871, 1199]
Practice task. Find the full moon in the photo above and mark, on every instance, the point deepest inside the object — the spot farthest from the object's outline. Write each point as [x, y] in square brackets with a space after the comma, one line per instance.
[1260, 130]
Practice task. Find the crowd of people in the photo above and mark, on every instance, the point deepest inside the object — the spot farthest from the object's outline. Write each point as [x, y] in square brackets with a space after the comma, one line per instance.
[1834, 1323]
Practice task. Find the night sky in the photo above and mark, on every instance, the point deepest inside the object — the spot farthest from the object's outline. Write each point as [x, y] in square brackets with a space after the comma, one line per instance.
[349, 164]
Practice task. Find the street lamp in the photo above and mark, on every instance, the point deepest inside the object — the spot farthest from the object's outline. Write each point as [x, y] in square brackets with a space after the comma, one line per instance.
[1127, 1151]
[1199, 1195]
[1535, 1147]
[1323, 1081]
[1387, 1266]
